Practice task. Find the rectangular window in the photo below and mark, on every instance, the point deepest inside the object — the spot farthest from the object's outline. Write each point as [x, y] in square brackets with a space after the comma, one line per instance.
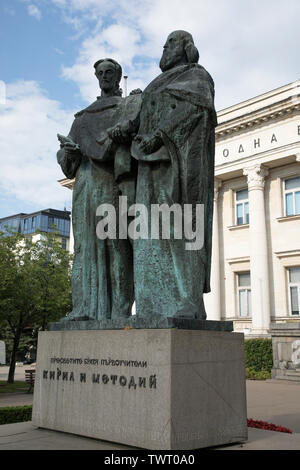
[294, 290]
[292, 196]
[242, 207]
[50, 222]
[244, 294]
[64, 243]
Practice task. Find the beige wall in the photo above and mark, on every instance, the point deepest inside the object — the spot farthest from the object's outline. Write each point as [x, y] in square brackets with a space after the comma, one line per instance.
[283, 237]
[275, 113]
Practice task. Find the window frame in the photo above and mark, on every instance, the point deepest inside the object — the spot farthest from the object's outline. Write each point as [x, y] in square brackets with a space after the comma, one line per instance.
[289, 285]
[288, 191]
[50, 218]
[242, 202]
[64, 243]
[248, 290]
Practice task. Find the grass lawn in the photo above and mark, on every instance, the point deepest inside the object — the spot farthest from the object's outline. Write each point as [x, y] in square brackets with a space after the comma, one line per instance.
[18, 386]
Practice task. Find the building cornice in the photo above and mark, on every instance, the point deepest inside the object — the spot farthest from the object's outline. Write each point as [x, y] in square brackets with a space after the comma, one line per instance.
[278, 111]
[285, 254]
[67, 183]
[240, 259]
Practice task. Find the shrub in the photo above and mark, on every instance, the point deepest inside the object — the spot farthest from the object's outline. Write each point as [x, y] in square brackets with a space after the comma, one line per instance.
[15, 414]
[258, 355]
[252, 423]
[252, 374]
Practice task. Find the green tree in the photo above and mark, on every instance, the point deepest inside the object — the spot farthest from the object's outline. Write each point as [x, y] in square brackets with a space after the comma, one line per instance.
[35, 286]
[27, 342]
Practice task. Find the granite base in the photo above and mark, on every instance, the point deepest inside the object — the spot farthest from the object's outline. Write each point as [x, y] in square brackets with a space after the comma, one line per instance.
[155, 322]
[160, 389]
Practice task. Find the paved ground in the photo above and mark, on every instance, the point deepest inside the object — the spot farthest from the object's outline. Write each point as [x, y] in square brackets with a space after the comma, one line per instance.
[16, 399]
[25, 436]
[276, 402]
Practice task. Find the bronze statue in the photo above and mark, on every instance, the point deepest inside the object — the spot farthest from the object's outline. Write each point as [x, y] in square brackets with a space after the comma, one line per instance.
[102, 275]
[175, 149]
[157, 148]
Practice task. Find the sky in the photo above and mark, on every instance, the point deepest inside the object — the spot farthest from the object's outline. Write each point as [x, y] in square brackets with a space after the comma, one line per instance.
[47, 52]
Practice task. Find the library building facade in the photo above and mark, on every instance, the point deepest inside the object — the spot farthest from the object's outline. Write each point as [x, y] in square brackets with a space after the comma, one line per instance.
[255, 276]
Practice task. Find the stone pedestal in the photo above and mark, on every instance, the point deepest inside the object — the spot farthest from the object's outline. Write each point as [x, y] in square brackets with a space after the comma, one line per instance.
[162, 389]
[286, 351]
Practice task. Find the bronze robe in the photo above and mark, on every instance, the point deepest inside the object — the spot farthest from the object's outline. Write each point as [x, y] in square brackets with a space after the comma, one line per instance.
[170, 280]
[102, 274]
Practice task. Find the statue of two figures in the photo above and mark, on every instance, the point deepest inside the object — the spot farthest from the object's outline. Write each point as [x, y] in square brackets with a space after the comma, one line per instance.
[152, 149]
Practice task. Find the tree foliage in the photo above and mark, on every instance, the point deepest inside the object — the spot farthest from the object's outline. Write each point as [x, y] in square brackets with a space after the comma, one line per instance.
[35, 286]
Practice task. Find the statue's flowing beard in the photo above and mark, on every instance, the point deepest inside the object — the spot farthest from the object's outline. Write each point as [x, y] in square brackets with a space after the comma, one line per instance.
[169, 59]
[164, 61]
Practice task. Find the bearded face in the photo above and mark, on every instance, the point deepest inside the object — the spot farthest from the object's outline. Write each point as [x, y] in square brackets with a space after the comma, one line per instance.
[107, 76]
[173, 54]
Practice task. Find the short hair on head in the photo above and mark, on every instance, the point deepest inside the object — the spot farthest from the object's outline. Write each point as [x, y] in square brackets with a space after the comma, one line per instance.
[114, 62]
[191, 50]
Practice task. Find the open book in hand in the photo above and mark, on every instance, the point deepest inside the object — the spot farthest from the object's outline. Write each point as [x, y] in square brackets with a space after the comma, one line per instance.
[67, 140]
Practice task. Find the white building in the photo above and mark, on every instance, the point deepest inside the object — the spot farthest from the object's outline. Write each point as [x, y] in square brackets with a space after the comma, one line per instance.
[255, 274]
[256, 235]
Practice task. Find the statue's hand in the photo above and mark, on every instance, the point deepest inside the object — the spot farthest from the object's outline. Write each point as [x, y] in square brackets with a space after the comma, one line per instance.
[136, 91]
[70, 148]
[69, 156]
[149, 144]
[121, 133]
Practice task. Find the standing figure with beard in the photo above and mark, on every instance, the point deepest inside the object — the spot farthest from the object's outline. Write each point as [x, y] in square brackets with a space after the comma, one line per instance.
[99, 160]
[175, 149]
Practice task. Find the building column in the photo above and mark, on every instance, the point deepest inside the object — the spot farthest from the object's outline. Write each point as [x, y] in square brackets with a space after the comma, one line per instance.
[260, 291]
[71, 239]
[212, 300]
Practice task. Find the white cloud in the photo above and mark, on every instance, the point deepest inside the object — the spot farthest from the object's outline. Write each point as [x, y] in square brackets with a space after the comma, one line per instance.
[117, 41]
[29, 122]
[248, 47]
[58, 51]
[34, 11]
